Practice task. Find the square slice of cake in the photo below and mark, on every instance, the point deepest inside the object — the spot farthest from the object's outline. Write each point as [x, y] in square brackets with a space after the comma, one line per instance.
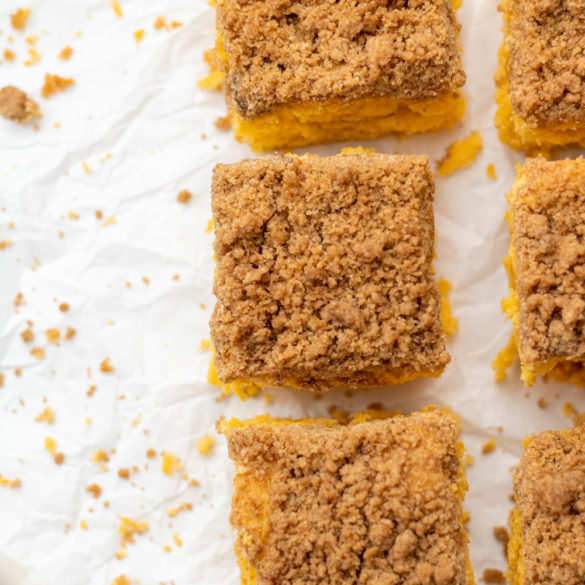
[547, 536]
[546, 266]
[324, 274]
[373, 499]
[300, 73]
[541, 78]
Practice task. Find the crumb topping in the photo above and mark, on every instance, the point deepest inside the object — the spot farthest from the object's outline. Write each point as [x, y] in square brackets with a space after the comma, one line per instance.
[547, 61]
[54, 84]
[363, 503]
[205, 445]
[17, 106]
[66, 53]
[324, 270]
[549, 488]
[548, 218]
[19, 18]
[288, 51]
[184, 196]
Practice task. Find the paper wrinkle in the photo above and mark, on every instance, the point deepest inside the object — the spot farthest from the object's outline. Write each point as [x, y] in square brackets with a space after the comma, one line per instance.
[141, 104]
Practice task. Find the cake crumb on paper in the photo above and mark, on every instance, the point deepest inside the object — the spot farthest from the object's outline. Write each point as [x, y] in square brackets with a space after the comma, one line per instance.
[460, 154]
[27, 336]
[52, 335]
[170, 464]
[494, 576]
[138, 35]
[490, 171]
[19, 18]
[38, 353]
[11, 483]
[54, 84]
[205, 445]
[15, 105]
[121, 580]
[9, 55]
[47, 416]
[115, 4]
[65, 54]
[488, 447]
[106, 366]
[34, 57]
[184, 196]
[172, 512]
[94, 489]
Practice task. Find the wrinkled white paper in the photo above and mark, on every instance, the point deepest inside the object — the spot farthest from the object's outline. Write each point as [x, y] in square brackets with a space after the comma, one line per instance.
[141, 105]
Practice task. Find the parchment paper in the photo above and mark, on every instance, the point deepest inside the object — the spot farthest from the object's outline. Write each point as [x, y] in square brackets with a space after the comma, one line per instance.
[141, 105]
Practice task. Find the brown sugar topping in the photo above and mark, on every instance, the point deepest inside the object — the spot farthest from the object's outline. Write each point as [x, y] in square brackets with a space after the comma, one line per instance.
[548, 210]
[16, 105]
[288, 51]
[549, 487]
[547, 61]
[324, 270]
[365, 503]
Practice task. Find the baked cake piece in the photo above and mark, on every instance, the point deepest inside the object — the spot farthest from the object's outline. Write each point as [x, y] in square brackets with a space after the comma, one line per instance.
[546, 265]
[541, 78]
[324, 273]
[547, 537]
[372, 499]
[300, 72]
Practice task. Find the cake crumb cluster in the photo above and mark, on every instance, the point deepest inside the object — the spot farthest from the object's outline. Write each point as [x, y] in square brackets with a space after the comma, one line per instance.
[324, 272]
[17, 106]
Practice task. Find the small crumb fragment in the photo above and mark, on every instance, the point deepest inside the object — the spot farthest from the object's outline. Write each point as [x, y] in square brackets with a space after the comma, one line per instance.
[99, 214]
[223, 122]
[193, 483]
[184, 196]
[150, 453]
[34, 57]
[54, 84]
[83, 525]
[52, 335]
[59, 458]
[91, 390]
[106, 366]
[124, 473]
[161, 22]
[110, 221]
[38, 353]
[11, 483]
[121, 580]
[64, 307]
[488, 446]
[460, 154]
[5, 244]
[50, 445]
[541, 403]
[209, 227]
[65, 54]
[205, 344]
[205, 445]
[9, 55]
[27, 336]
[129, 528]
[167, 548]
[145, 280]
[177, 540]
[490, 171]
[69, 333]
[494, 576]
[94, 489]
[172, 512]
[170, 464]
[19, 18]
[47, 416]
[19, 300]
[136, 420]
[15, 105]
[138, 35]
[100, 456]
[1, 380]
[86, 168]
[116, 8]
[450, 323]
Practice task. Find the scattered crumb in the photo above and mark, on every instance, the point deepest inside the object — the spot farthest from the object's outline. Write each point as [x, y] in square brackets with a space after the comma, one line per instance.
[106, 366]
[121, 554]
[11, 483]
[137, 420]
[27, 336]
[205, 445]
[5, 244]
[46, 416]
[32, 40]
[15, 105]
[83, 525]
[450, 323]
[138, 35]
[18, 372]
[124, 473]
[110, 221]
[150, 453]
[34, 57]
[183, 506]
[88, 421]
[209, 227]
[460, 154]
[50, 445]
[72, 215]
[128, 529]
[38, 353]
[161, 22]
[223, 122]
[205, 344]
[170, 464]
[145, 280]
[541, 403]
[268, 399]
[117, 8]
[59, 458]
[9, 55]
[69, 333]
[337, 413]
[54, 84]
[488, 446]
[65, 54]
[193, 483]
[167, 548]
[86, 168]
[100, 456]
[94, 489]
[121, 580]
[91, 390]
[177, 540]
[52, 335]
[19, 300]
[19, 18]
[490, 171]
[1, 380]
[494, 576]
[64, 307]
[571, 412]
[184, 196]
[99, 214]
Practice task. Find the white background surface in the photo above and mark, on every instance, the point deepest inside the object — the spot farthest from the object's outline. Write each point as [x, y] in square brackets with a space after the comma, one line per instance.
[142, 105]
